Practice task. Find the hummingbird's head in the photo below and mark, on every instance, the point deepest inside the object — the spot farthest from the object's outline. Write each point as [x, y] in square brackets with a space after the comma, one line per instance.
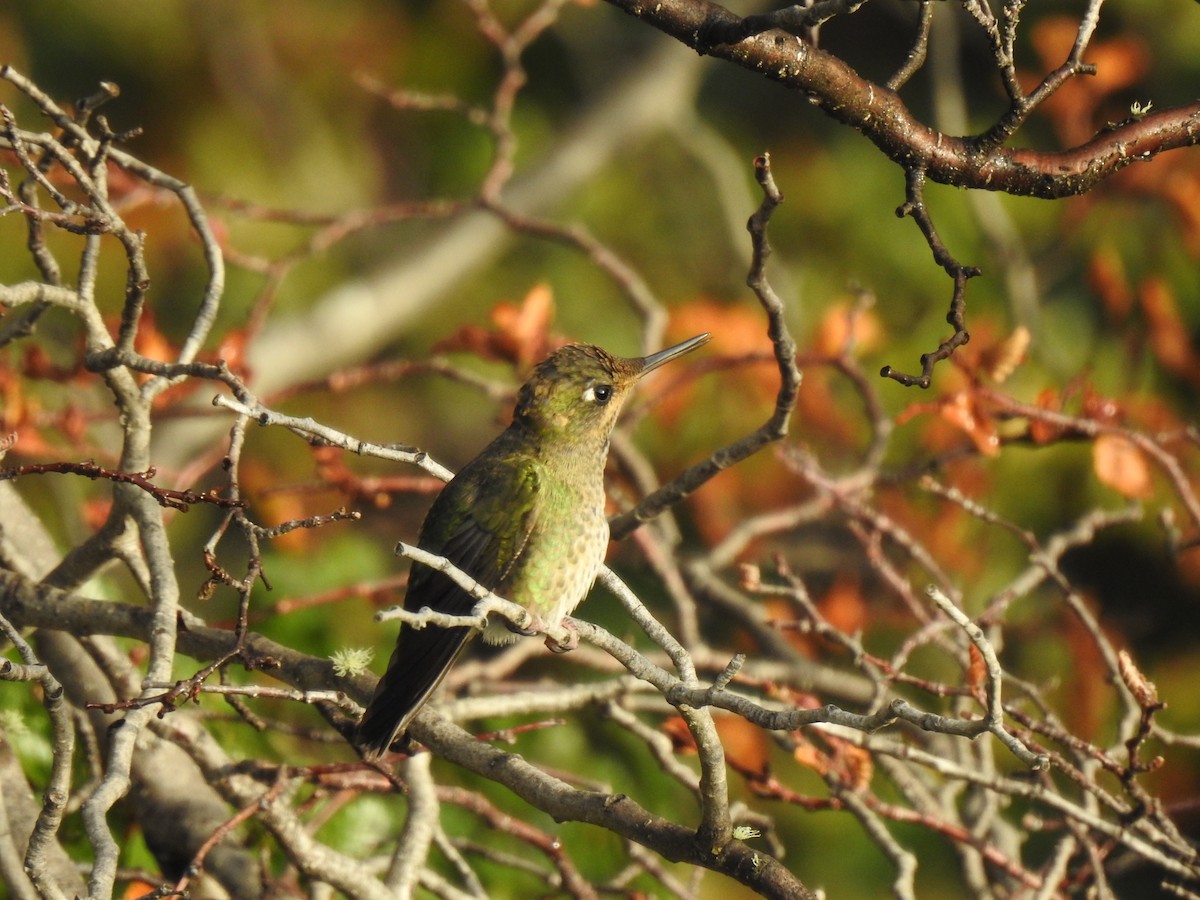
[578, 390]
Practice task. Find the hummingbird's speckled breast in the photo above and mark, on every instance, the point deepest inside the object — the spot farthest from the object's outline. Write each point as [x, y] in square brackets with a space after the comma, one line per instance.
[565, 550]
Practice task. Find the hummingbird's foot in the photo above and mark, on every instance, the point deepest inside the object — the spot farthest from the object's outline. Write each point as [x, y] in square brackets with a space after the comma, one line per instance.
[535, 627]
[569, 644]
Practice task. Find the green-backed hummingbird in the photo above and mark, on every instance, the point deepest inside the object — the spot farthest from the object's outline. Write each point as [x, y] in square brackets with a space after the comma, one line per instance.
[525, 518]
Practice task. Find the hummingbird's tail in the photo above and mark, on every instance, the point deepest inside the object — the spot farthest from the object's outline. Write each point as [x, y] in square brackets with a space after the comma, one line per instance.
[417, 666]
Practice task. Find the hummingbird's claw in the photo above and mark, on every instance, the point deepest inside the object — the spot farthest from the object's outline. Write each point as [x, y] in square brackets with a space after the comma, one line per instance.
[535, 626]
[569, 644]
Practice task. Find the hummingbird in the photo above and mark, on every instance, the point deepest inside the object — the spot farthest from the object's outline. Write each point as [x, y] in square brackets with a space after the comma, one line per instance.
[525, 518]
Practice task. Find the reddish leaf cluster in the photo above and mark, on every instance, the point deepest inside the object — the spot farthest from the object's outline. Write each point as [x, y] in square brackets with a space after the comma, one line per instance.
[520, 332]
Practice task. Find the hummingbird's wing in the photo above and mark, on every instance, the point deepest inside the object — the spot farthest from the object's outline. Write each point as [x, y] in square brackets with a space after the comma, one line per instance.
[481, 522]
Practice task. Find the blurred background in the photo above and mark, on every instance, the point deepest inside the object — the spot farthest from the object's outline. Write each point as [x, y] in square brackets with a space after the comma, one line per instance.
[340, 149]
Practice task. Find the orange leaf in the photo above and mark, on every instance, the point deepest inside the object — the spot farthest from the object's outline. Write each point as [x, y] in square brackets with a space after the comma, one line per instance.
[1086, 688]
[1099, 407]
[1106, 277]
[681, 739]
[746, 745]
[843, 605]
[259, 483]
[150, 341]
[855, 764]
[232, 349]
[13, 411]
[95, 512]
[520, 334]
[808, 755]
[1182, 189]
[961, 411]
[526, 328]
[1121, 465]
[1169, 335]
[977, 674]
[1120, 63]
[779, 609]
[844, 324]
[73, 422]
[737, 332]
[138, 888]
[1044, 432]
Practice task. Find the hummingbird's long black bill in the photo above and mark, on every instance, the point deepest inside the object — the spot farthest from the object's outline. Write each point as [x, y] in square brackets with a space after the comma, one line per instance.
[654, 360]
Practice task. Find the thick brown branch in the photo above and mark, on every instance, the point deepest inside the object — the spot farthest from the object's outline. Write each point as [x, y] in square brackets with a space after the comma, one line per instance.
[887, 122]
[614, 812]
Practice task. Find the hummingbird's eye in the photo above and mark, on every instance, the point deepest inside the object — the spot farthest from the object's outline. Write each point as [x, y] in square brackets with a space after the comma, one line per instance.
[599, 393]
